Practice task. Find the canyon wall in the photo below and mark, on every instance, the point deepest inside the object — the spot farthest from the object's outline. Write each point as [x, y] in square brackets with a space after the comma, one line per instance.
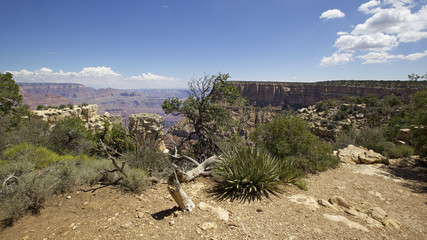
[297, 95]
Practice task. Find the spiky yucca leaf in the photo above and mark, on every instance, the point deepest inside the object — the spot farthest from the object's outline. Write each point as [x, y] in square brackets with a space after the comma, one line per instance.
[247, 174]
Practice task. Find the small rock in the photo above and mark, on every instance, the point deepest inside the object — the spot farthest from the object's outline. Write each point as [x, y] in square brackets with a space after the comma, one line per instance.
[340, 201]
[259, 210]
[203, 206]
[391, 223]
[68, 197]
[325, 203]
[352, 212]
[377, 214]
[208, 226]
[73, 226]
[172, 223]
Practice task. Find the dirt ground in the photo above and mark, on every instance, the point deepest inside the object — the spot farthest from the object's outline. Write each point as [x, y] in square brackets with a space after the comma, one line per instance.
[109, 213]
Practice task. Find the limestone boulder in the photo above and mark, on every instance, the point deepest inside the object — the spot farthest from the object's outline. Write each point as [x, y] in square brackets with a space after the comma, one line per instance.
[147, 129]
[359, 155]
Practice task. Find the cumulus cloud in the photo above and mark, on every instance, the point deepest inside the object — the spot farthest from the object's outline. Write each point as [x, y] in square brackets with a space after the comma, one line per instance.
[383, 57]
[336, 58]
[98, 77]
[332, 13]
[377, 42]
[390, 23]
[370, 7]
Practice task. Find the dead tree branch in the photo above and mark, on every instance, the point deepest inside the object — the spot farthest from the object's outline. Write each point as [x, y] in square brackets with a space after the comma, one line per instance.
[113, 159]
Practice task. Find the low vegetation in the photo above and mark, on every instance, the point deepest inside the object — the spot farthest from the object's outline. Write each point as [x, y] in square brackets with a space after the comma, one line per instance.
[37, 162]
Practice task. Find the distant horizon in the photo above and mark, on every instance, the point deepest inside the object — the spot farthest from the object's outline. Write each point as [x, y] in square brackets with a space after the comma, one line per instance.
[261, 81]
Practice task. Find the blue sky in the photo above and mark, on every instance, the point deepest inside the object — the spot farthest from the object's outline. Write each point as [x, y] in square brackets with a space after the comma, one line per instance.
[166, 43]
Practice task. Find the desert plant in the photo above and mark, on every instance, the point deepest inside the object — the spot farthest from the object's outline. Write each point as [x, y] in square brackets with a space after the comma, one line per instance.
[373, 138]
[40, 156]
[289, 135]
[114, 136]
[70, 136]
[136, 180]
[400, 151]
[345, 138]
[206, 111]
[247, 174]
[27, 194]
[153, 162]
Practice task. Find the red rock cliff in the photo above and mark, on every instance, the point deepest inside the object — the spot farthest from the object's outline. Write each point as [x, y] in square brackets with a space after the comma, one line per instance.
[296, 95]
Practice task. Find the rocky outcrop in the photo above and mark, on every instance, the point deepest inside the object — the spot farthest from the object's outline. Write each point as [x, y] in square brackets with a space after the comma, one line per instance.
[297, 95]
[359, 155]
[88, 114]
[147, 129]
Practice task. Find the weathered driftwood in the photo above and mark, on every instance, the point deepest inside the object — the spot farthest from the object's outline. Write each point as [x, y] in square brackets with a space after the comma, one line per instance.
[178, 194]
[178, 177]
[202, 169]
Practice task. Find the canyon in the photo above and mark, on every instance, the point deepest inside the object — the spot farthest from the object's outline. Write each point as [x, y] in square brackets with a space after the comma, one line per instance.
[277, 95]
[298, 95]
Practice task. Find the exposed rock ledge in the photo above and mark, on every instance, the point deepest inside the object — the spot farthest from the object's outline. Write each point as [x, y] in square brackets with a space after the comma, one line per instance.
[88, 114]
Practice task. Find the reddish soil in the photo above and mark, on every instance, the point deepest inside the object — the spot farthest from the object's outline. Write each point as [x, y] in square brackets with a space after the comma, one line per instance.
[109, 213]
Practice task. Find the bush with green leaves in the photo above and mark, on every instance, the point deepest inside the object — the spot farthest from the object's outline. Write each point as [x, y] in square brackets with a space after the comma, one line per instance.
[25, 188]
[150, 160]
[115, 136]
[247, 174]
[70, 136]
[206, 110]
[400, 151]
[40, 156]
[287, 136]
[136, 180]
[33, 131]
[373, 138]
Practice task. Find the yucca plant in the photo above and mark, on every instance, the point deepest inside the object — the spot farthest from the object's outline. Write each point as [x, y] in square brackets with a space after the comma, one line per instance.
[247, 174]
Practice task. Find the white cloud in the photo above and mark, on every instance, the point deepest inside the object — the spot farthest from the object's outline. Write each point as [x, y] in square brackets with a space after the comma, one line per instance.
[390, 23]
[342, 33]
[332, 13]
[378, 57]
[151, 77]
[99, 77]
[377, 42]
[370, 7]
[335, 59]
[384, 57]
[415, 56]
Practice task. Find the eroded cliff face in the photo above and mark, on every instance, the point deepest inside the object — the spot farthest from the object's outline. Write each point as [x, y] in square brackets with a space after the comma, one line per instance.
[297, 95]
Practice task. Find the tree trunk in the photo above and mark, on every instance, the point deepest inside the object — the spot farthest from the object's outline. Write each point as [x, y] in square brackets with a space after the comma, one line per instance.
[178, 194]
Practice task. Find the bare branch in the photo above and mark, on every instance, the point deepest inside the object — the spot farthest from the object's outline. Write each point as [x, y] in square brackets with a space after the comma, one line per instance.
[114, 160]
[9, 177]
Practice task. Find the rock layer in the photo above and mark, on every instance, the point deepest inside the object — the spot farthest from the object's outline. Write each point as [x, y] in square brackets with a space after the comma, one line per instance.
[297, 95]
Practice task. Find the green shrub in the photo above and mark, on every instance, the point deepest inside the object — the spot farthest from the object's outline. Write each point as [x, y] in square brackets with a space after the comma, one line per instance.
[371, 101]
[289, 136]
[16, 168]
[94, 171]
[115, 136]
[325, 105]
[345, 138]
[40, 156]
[136, 180]
[373, 138]
[340, 115]
[247, 174]
[27, 194]
[400, 151]
[150, 160]
[392, 101]
[70, 136]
